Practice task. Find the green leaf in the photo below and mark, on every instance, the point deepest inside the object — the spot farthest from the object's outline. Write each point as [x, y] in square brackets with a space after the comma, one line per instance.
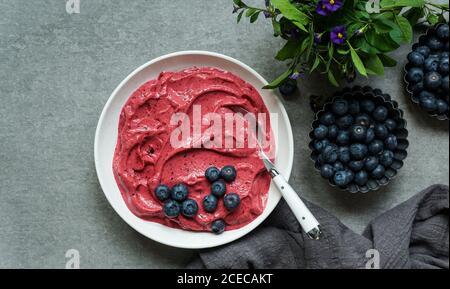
[332, 79]
[382, 42]
[279, 80]
[342, 51]
[374, 64]
[386, 4]
[432, 19]
[413, 15]
[254, 17]
[238, 3]
[315, 64]
[405, 27]
[250, 12]
[358, 62]
[387, 61]
[291, 12]
[276, 27]
[381, 27]
[288, 51]
[240, 16]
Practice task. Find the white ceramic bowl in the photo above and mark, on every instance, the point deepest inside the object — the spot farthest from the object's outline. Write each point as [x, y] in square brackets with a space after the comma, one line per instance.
[106, 137]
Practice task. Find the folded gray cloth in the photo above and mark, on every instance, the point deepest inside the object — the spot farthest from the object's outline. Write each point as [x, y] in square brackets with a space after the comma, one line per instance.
[412, 235]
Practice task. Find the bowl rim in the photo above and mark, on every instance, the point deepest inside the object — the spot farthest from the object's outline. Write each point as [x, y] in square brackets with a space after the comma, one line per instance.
[250, 226]
[441, 117]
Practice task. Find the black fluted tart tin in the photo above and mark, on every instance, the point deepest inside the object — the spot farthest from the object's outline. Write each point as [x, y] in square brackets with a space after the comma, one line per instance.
[400, 154]
[414, 97]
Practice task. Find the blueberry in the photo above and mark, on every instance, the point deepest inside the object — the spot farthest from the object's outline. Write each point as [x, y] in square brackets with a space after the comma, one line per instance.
[353, 107]
[338, 166]
[371, 163]
[340, 107]
[341, 178]
[378, 172]
[319, 145]
[433, 80]
[370, 135]
[428, 103]
[288, 88]
[442, 106]
[327, 171]
[445, 84]
[330, 154]
[356, 166]
[327, 118]
[444, 54]
[363, 119]
[321, 132]
[210, 203]
[333, 131]
[416, 58]
[344, 154]
[426, 94]
[361, 178]
[442, 32]
[231, 201]
[424, 50]
[358, 133]
[345, 121]
[189, 208]
[162, 192]
[443, 66]
[434, 43]
[228, 173]
[380, 113]
[416, 88]
[390, 124]
[218, 188]
[381, 131]
[171, 208]
[367, 105]
[387, 158]
[218, 226]
[391, 142]
[212, 174]
[343, 137]
[415, 74]
[376, 147]
[179, 192]
[431, 64]
[358, 151]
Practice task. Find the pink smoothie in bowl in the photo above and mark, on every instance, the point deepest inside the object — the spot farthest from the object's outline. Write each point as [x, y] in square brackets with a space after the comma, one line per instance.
[145, 156]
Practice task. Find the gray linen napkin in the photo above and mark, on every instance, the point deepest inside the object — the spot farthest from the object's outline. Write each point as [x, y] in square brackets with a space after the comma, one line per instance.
[415, 234]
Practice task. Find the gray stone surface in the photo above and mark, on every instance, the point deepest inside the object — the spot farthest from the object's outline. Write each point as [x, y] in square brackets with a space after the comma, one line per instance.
[56, 73]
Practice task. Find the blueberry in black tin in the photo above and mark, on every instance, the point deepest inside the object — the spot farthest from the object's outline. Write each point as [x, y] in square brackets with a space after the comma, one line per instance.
[381, 131]
[361, 178]
[338, 166]
[327, 171]
[416, 58]
[370, 135]
[162, 192]
[380, 113]
[363, 119]
[345, 122]
[179, 192]
[376, 147]
[212, 174]
[171, 208]
[371, 163]
[431, 64]
[356, 166]
[378, 172]
[443, 66]
[327, 118]
[210, 203]
[343, 178]
[358, 151]
[218, 226]
[333, 131]
[442, 106]
[442, 32]
[424, 50]
[228, 173]
[343, 137]
[344, 154]
[319, 145]
[432, 80]
[445, 84]
[321, 132]
[189, 208]
[390, 124]
[387, 158]
[330, 154]
[415, 74]
[367, 105]
[434, 43]
[428, 103]
[353, 107]
[358, 133]
[391, 142]
[231, 201]
[416, 88]
[340, 107]
[218, 188]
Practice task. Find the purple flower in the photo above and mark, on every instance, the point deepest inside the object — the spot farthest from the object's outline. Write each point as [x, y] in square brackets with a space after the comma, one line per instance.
[326, 7]
[267, 14]
[338, 34]
[317, 38]
[295, 75]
